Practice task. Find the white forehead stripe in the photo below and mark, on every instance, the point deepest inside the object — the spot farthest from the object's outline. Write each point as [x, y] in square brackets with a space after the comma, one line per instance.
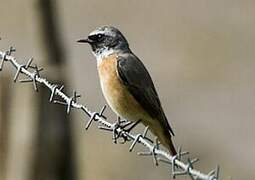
[96, 32]
[104, 30]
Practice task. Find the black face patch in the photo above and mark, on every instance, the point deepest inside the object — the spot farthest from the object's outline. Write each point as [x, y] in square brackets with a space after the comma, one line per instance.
[97, 37]
[107, 37]
[99, 41]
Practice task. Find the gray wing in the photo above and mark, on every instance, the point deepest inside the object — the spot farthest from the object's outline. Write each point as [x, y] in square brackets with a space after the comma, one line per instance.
[136, 78]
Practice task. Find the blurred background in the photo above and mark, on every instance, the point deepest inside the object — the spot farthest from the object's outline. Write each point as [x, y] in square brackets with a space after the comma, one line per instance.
[200, 55]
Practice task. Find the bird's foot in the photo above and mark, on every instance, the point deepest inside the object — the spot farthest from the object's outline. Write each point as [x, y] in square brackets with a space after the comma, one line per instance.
[132, 125]
[124, 124]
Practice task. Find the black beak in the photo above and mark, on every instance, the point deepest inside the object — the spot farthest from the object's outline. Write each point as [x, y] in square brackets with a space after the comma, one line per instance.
[85, 41]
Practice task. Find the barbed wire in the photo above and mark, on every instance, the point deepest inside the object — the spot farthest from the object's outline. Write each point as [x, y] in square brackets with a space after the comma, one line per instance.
[179, 167]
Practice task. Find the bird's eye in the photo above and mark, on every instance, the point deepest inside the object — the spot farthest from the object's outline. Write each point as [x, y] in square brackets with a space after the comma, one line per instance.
[96, 37]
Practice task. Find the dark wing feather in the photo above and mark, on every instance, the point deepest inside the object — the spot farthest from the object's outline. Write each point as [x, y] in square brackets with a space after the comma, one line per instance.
[136, 78]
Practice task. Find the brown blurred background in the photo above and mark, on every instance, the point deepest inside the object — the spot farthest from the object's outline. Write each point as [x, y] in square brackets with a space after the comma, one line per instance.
[201, 57]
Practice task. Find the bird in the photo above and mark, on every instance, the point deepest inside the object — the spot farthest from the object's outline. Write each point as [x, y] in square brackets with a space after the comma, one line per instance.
[126, 84]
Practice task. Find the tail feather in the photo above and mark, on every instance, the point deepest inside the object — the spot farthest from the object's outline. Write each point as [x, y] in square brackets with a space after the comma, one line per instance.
[171, 148]
[166, 140]
[164, 136]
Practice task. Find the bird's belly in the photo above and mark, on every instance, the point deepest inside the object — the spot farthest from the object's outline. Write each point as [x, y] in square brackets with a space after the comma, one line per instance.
[116, 94]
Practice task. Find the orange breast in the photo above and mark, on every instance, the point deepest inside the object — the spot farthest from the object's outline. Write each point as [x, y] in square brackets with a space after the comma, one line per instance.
[116, 94]
[122, 102]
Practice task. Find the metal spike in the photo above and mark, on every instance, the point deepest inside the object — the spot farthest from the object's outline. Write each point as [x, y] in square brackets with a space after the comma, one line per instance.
[69, 105]
[7, 53]
[105, 128]
[183, 153]
[214, 173]
[173, 164]
[125, 124]
[75, 96]
[40, 69]
[137, 138]
[193, 161]
[18, 72]
[164, 160]
[178, 173]
[61, 88]
[25, 80]
[29, 62]
[190, 166]
[134, 142]
[114, 128]
[217, 172]
[153, 152]
[2, 62]
[11, 50]
[145, 131]
[53, 91]
[101, 113]
[92, 118]
[37, 73]
[35, 84]
[59, 102]
[102, 110]
[146, 153]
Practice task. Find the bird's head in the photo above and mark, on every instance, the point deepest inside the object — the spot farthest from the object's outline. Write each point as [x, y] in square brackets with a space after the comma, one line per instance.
[106, 38]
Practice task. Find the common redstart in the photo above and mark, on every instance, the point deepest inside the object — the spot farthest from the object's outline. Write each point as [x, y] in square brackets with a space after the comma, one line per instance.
[126, 84]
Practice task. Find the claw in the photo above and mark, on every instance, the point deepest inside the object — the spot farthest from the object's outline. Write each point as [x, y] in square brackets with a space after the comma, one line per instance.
[133, 125]
[119, 124]
[123, 124]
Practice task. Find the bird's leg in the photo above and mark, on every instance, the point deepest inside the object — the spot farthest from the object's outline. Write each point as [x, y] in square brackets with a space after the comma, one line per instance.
[133, 125]
[120, 123]
[123, 123]
[127, 123]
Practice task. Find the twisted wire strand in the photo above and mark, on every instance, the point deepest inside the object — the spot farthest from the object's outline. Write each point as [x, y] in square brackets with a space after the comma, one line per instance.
[179, 167]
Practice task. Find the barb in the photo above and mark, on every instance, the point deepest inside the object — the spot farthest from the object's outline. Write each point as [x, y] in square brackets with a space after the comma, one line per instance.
[179, 167]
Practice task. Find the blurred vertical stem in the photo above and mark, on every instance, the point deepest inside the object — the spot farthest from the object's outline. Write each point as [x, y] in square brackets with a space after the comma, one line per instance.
[54, 157]
[50, 31]
[4, 122]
